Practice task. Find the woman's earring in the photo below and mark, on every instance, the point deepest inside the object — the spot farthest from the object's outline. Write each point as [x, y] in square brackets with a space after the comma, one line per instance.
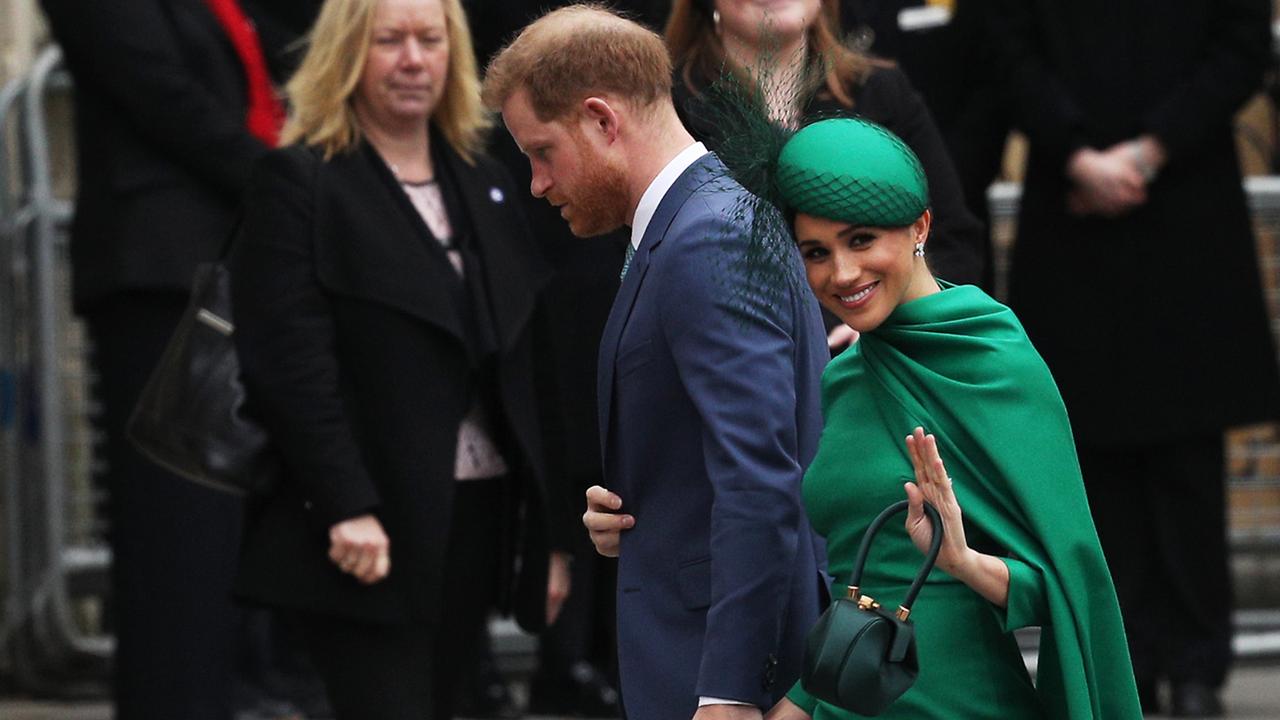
[715, 20]
[919, 248]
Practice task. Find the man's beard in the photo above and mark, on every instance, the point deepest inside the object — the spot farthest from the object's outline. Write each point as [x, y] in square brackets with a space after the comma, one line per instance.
[598, 203]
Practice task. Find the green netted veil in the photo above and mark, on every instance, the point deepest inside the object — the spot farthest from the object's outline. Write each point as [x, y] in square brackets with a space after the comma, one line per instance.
[852, 170]
[839, 168]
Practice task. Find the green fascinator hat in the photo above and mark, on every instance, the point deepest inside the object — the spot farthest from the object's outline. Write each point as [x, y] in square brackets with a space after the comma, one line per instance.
[851, 170]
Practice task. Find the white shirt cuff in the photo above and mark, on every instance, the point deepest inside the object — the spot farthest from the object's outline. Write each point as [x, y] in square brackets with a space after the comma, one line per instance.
[718, 701]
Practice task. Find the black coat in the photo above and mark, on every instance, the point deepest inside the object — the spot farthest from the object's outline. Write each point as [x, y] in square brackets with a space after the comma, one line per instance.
[354, 346]
[956, 242]
[163, 153]
[1152, 323]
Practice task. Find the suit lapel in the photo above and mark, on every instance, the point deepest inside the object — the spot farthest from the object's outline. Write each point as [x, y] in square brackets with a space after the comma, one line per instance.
[654, 234]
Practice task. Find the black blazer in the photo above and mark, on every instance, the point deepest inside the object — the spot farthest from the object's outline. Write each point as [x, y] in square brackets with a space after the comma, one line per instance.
[163, 153]
[353, 347]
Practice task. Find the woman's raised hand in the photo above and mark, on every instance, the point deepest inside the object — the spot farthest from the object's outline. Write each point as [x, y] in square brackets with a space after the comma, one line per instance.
[933, 484]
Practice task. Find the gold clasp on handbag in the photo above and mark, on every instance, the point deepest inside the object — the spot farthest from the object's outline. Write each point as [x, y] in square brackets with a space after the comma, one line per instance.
[865, 602]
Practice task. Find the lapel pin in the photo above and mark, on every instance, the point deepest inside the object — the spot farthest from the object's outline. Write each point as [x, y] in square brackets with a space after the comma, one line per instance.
[496, 195]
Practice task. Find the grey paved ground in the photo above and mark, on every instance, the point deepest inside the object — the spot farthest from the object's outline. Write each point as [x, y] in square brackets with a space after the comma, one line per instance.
[1254, 694]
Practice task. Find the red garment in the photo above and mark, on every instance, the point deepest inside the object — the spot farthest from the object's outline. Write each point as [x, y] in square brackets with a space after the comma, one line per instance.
[265, 115]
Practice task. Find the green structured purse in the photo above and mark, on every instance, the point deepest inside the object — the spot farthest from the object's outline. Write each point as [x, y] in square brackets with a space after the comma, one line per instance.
[859, 656]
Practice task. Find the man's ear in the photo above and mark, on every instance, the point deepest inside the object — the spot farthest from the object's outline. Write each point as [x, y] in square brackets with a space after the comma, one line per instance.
[601, 118]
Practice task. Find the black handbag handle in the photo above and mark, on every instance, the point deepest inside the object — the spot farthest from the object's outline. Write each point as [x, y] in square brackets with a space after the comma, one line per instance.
[935, 546]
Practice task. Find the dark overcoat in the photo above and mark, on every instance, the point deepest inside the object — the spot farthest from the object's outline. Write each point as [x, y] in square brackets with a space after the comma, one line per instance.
[162, 150]
[351, 333]
[1153, 323]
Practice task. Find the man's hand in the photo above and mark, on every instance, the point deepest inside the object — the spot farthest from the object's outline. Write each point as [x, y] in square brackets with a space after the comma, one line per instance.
[360, 548]
[728, 712]
[604, 522]
[558, 585]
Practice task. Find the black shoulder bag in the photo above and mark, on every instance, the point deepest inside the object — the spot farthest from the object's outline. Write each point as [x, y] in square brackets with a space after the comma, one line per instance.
[860, 656]
[190, 417]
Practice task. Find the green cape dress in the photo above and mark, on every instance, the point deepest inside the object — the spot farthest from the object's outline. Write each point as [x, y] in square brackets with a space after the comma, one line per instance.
[959, 364]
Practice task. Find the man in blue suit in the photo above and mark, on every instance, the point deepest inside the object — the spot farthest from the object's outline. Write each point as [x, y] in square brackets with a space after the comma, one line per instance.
[708, 387]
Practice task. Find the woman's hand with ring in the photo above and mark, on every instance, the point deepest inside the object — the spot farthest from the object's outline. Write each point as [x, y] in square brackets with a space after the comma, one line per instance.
[360, 547]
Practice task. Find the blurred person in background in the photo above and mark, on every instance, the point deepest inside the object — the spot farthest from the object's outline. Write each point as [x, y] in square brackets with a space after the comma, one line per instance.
[785, 44]
[949, 50]
[385, 291]
[1136, 275]
[174, 103]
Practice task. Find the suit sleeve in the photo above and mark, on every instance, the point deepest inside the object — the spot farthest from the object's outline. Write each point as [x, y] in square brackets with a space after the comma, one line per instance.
[735, 353]
[128, 53]
[1230, 72]
[287, 343]
[956, 240]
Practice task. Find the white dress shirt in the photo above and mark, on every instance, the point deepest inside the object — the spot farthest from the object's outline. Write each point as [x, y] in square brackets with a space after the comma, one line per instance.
[658, 189]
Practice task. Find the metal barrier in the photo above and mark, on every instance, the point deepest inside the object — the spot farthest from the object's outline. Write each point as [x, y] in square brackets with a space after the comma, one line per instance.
[56, 561]
[12, 267]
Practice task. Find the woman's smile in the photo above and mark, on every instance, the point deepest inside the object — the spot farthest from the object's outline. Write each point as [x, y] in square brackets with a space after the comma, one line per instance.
[860, 297]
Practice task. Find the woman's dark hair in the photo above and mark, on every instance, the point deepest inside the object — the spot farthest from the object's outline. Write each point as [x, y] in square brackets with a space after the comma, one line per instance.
[697, 50]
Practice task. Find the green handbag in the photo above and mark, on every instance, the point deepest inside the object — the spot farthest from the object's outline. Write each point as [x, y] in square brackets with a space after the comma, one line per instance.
[859, 656]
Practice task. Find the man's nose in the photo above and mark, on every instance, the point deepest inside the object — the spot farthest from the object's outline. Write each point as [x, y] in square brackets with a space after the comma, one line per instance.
[539, 184]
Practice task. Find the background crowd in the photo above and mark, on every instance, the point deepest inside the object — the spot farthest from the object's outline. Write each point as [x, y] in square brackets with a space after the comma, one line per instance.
[458, 384]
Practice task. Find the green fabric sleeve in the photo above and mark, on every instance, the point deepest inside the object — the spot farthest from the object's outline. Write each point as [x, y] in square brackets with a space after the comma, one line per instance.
[802, 699]
[1028, 598]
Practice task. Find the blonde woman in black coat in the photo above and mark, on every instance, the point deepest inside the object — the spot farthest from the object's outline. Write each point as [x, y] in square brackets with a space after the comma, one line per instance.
[384, 292]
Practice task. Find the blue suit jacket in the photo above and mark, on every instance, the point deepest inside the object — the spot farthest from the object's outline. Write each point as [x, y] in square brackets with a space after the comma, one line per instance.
[709, 406]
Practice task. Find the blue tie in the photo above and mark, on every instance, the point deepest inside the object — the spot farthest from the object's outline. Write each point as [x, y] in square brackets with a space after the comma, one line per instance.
[626, 262]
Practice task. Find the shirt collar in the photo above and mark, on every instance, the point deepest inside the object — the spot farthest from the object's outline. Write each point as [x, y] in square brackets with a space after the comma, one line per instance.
[659, 187]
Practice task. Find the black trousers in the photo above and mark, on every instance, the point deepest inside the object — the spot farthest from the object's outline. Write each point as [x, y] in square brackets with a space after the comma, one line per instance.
[1161, 517]
[174, 543]
[411, 672]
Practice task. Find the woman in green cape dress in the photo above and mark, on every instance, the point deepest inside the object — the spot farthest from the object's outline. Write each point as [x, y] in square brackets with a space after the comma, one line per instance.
[952, 361]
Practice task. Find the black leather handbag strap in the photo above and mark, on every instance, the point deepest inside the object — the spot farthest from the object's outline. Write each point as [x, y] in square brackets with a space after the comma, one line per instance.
[934, 546]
